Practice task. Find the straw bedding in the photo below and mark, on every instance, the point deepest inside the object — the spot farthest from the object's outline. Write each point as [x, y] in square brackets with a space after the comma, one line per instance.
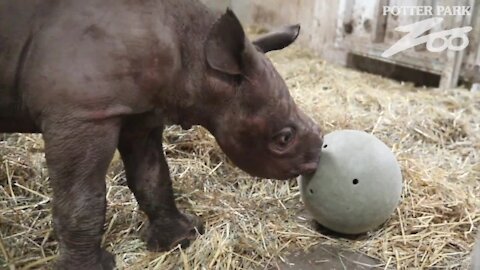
[250, 222]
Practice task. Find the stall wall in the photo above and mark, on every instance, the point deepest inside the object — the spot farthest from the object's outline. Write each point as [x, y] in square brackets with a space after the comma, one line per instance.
[338, 29]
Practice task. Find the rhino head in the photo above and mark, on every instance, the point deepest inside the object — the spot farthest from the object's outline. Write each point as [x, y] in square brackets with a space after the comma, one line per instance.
[248, 107]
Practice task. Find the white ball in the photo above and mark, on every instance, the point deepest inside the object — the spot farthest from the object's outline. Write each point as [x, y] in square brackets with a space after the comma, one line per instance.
[476, 256]
[357, 185]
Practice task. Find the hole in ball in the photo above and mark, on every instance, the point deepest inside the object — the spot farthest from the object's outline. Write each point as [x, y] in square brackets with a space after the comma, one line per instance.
[325, 146]
[355, 181]
[311, 191]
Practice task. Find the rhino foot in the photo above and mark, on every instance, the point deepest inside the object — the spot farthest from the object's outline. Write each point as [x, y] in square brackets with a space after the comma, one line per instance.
[167, 233]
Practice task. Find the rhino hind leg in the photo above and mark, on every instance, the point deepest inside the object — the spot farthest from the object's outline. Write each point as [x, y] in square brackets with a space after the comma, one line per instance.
[149, 179]
[78, 155]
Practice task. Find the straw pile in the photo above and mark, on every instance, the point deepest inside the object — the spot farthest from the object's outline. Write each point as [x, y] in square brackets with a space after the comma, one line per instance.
[251, 222]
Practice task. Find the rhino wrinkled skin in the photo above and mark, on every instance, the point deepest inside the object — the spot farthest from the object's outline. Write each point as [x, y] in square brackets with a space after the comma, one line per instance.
[94, 76]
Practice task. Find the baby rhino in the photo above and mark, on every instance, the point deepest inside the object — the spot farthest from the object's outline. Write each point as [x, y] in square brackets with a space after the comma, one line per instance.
[97, 75]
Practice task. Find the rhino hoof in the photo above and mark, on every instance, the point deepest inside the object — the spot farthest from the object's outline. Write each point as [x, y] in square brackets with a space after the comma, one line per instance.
[167, 233]
[108, 260]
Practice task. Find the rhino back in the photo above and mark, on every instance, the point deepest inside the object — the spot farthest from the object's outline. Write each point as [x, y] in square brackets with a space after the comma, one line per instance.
[60, 49]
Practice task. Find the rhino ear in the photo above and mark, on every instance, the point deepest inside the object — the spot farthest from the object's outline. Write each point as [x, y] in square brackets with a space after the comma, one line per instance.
[225, 44]
[278, 39]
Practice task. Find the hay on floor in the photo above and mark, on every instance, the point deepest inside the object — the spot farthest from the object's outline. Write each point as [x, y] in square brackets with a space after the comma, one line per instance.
[250, 222]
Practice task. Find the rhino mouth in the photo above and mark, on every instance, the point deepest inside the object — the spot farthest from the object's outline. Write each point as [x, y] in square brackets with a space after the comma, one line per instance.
[308, 168]
[304, 169]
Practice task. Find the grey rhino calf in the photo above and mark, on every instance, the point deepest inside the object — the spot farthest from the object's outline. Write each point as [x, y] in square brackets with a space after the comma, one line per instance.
[96, 75]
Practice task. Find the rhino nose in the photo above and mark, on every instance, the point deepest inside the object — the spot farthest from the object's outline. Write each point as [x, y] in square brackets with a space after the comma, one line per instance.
[311, 160]
[318, 134]
[316, 138]
[312, 157]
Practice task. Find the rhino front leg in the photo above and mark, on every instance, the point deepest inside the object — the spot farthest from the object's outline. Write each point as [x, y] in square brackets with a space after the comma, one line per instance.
[149, 178]
[78, 155]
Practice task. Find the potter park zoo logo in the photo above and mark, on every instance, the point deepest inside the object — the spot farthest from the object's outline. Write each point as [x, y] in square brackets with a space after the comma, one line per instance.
[454, 39]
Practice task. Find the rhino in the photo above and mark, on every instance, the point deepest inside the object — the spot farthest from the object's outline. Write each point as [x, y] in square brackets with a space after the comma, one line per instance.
[94, 76]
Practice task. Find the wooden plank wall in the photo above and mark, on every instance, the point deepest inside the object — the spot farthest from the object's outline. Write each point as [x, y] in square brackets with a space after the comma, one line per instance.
[318, 20]
[335, 28]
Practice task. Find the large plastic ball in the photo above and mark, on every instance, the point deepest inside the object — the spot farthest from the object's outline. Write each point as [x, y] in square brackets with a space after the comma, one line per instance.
[357, 185]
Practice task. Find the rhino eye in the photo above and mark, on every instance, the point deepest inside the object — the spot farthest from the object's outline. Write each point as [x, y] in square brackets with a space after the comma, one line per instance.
[283, 138]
